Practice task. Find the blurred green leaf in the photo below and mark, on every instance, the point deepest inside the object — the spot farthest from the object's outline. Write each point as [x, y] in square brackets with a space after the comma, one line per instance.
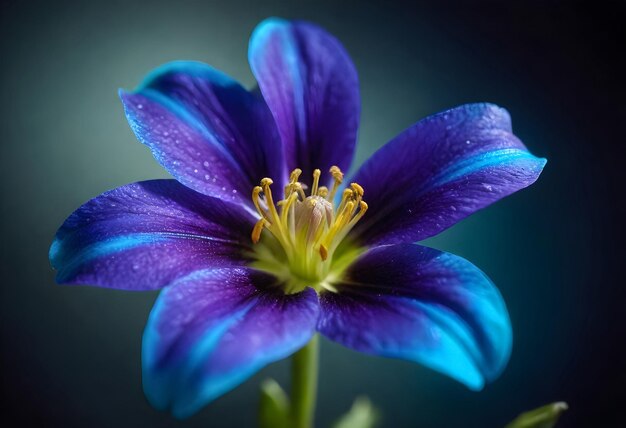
[274, 406]
[362, 414]
[543, 417]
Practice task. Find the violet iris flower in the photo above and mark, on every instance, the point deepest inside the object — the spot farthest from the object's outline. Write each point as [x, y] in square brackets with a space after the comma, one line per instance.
[248, 281]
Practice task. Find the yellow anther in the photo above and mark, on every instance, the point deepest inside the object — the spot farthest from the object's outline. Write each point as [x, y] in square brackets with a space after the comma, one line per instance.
[295, 174]
[256, 231]
[323, 252]
[336, 173]
[322, 191]
[265, 182]
[357, 189]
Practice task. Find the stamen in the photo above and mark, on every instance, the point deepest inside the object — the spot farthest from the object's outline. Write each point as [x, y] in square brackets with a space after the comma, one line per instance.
[346, 214]
[347, 194]
[309, 228]
[286, 205]
[295, 174]
[256, 232]
[316, 181]
[362, 210]
[357, 189]
[293, 179]
[336, 173]
[341, 220]
[338, 177]
[255, 200]
[265, 184]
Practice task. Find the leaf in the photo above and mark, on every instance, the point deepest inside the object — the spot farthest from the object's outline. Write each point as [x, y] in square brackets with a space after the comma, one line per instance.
[362, 414]
[274, 406]
[542, 417]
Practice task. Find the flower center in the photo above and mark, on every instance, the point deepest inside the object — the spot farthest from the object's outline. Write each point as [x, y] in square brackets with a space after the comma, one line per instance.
[305, 231]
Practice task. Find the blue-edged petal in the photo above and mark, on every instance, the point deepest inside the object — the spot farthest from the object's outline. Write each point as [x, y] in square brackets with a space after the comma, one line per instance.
[213, 329]
[311, 87]
[209, 132]
[441, 170]
[415, 303]
[143, 236]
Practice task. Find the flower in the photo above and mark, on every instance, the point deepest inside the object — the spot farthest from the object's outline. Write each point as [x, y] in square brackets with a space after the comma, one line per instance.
[248, 281]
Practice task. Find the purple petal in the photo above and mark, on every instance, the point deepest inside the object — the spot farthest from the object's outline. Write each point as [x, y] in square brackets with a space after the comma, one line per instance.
[210, 133]
[311, 87]
[212, 330]
[441, 170]
[143, 236]
[415, 303]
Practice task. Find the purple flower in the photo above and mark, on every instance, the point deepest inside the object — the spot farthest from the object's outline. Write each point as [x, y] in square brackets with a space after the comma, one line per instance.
[248, 281]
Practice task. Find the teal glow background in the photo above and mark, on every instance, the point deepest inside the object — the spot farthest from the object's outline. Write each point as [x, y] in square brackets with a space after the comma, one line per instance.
[70, 356]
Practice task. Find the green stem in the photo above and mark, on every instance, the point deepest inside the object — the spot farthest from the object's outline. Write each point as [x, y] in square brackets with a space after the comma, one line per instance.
[304, 384]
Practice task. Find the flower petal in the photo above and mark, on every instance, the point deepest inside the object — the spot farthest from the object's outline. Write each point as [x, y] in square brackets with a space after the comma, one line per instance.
[441, 170]
[311, 87]
[415, 303]
[209, 132]
[142, 236]
[212, 330]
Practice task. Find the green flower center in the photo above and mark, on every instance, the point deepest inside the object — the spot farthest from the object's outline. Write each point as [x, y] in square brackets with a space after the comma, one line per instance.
[304, 236]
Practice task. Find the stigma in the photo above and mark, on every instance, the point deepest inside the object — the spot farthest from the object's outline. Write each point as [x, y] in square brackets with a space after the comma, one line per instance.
[308, 228]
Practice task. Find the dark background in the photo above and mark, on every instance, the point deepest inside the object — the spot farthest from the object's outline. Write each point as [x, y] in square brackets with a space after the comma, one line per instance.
[70, 356]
